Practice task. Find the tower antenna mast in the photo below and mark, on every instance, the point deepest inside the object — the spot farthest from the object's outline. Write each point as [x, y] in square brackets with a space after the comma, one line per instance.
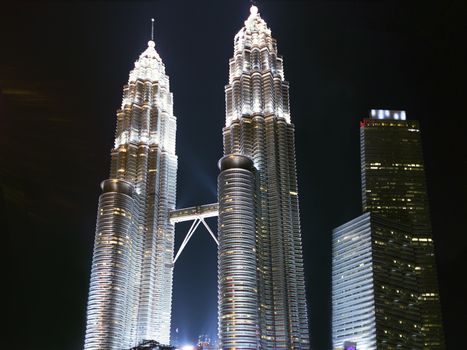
[152, 29]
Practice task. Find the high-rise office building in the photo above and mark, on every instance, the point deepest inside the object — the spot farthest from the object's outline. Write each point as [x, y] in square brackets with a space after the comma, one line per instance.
[131, 278]
[394, 188]
[258, 126]
[374, 287]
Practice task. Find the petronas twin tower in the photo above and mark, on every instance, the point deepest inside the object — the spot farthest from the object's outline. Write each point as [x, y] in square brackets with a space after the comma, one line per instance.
[261, 288]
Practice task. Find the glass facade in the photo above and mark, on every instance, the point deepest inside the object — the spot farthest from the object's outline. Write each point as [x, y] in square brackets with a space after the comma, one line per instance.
[394, 187]
[374, 299]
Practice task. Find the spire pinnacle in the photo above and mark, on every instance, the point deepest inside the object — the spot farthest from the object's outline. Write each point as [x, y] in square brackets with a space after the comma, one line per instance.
[253, 10]
[152, 29]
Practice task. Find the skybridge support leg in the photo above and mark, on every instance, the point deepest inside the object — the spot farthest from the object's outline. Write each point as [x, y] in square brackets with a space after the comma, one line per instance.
[210, 231]
[196, 222]
[192, 229]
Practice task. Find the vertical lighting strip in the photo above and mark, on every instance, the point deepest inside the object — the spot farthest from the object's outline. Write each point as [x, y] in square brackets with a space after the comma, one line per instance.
[237, 276]
[258, 126]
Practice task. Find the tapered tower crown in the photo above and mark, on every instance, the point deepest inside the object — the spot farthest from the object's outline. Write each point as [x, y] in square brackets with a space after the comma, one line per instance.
[255, 33]
[149, 66]
[148, 95]
[256, 74]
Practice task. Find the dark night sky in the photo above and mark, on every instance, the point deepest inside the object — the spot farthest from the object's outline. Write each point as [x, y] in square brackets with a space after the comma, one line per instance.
[62, 69]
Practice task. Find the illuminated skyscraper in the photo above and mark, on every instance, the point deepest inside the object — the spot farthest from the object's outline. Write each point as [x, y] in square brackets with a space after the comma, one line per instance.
[258, 126]
[393, 189]
[131, 280]
[374, 300]
[262, 301]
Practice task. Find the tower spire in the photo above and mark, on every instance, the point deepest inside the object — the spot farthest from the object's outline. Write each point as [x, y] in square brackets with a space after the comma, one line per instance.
[253, 7]
[152, 29]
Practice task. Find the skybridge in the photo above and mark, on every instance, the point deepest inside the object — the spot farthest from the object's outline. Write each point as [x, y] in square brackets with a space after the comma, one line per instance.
[197, 214]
